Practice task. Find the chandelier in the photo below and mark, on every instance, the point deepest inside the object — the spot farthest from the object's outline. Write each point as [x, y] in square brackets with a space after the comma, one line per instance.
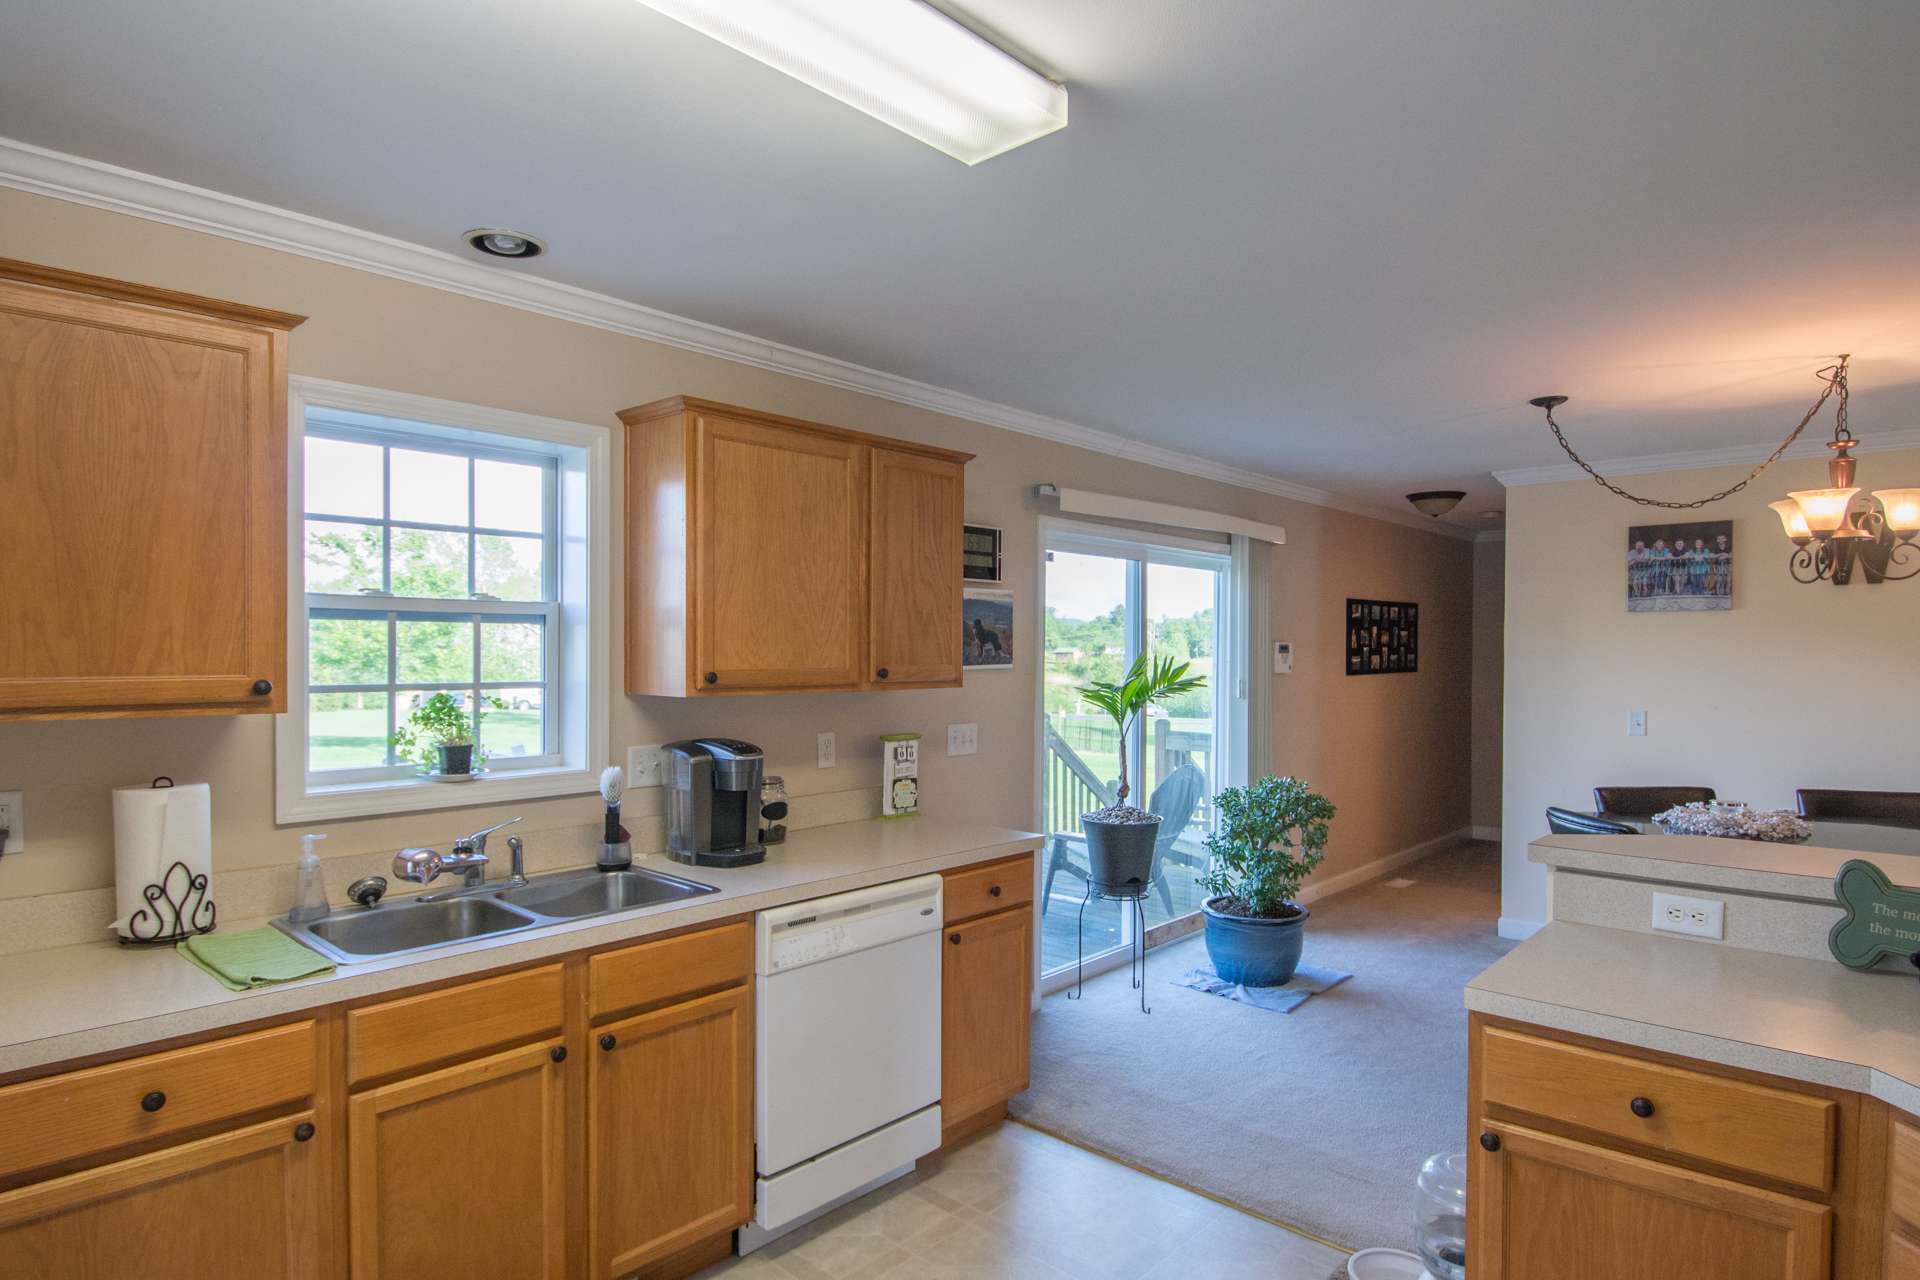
[1835, 532]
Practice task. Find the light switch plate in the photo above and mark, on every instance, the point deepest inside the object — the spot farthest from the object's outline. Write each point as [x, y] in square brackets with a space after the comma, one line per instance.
[1282, 658]
[646, 766]
[823, 751]
[1636, 724]
[13, 816]
[963, 739]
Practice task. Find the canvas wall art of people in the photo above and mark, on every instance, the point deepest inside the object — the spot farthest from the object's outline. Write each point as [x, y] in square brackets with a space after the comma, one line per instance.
[1680, 568]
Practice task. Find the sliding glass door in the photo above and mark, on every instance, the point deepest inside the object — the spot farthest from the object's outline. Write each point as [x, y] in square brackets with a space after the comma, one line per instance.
[1108, 599]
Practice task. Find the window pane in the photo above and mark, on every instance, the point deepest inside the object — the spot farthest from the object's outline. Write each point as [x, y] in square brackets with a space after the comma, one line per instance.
[347, 651]
[511, 651]
[507, 567]
[430, 563]
[433, 652]
[346, 731]
[508, 495]
[1179, 758]
[429, 487]
[516, 727]
[343, 478]
[342, 558]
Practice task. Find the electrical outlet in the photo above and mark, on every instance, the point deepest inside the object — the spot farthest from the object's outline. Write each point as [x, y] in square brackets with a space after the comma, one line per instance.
[1697, 917]
[963, 739]
[823, 751]
[1636, 724]
[646, 766]
[13, 817]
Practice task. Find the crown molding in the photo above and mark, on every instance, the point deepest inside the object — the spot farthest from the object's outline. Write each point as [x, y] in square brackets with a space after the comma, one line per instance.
[78, 180]
[1699, 459]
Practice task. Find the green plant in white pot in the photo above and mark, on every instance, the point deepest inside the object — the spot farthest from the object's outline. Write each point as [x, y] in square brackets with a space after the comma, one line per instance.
[1121, 837]
[1268, 839]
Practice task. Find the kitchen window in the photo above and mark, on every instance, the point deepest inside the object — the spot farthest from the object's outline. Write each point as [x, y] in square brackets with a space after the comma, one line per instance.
[441, 549]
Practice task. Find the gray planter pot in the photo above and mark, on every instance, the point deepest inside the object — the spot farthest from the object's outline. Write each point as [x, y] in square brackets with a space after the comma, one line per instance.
[456, 758]
[1120, 855]
[1254, 952]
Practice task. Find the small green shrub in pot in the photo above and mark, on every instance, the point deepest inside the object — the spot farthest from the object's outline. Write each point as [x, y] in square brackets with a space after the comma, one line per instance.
[1268, 838]
[438, 736]
[1121, 837]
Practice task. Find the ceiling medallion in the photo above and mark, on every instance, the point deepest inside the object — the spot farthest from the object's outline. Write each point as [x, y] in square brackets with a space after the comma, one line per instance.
[1834, 530]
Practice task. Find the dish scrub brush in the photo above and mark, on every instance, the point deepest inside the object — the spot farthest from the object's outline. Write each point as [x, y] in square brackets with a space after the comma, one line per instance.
[616, 845]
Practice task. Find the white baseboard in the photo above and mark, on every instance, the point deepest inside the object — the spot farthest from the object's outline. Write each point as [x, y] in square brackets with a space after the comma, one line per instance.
[1490, 834]
[1381, 866]
[1518, 929]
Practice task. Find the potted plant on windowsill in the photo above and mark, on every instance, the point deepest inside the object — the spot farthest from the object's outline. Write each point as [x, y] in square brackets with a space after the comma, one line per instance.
[1121, 837]
[438, 737]
[1269, 838]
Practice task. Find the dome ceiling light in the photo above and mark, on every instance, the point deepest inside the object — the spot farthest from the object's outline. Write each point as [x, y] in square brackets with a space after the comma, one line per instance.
[1436, 502]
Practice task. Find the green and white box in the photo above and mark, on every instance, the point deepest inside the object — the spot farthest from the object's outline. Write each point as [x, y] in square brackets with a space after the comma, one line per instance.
[899, 775]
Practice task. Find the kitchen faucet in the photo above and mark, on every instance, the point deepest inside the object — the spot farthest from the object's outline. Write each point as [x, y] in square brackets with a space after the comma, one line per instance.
[468, 856]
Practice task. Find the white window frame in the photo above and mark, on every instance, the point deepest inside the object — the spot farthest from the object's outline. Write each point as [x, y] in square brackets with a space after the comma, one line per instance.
[578, 644]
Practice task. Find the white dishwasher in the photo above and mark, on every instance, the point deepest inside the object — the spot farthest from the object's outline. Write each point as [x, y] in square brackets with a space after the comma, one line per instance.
[847, 1048]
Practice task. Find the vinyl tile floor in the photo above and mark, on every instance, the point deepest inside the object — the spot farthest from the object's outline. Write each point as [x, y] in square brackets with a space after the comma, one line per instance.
[1016, 1204]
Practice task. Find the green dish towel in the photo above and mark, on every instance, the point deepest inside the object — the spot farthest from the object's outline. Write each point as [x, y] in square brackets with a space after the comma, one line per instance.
[253, 958]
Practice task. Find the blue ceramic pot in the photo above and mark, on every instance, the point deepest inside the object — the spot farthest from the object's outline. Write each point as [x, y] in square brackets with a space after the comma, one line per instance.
[1254, 953]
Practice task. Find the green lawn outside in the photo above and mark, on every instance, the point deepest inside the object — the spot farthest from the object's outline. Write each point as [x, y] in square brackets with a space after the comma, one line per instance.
[358, 739]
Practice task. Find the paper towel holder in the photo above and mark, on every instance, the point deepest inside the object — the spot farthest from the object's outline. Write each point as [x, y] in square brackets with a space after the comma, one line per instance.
[172, 914]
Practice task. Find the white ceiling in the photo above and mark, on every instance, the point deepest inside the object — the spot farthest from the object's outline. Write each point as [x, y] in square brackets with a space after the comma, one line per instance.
[1336, 243]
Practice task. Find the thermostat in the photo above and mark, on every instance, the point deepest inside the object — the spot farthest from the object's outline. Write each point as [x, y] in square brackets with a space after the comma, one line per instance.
[1282, 658]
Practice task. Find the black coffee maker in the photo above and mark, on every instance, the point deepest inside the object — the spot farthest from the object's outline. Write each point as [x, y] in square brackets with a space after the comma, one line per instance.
[713, 802]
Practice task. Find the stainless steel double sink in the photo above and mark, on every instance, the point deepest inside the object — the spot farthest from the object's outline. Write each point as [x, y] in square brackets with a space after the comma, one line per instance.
[352, 935]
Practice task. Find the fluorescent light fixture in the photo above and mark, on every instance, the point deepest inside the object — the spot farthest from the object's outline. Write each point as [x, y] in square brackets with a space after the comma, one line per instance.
[900, 61]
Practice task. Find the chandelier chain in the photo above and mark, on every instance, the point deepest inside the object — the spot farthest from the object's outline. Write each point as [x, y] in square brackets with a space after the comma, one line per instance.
[1835, 377]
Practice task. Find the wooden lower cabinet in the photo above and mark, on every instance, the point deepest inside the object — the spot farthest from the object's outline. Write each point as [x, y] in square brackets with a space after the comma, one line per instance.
[245, 1203]
[669, 1130]
[1552, 1207]
[461, 1173]
[986, 1008]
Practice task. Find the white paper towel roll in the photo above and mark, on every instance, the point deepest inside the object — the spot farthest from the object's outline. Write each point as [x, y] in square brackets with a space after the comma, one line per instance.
[153, 828]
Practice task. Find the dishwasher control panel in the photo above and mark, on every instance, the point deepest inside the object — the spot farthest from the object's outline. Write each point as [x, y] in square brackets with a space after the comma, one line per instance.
[810, 932]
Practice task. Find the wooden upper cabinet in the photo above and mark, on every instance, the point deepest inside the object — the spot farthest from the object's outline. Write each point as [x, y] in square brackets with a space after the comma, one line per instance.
[143, 435]
[765, 554]
[913, 621]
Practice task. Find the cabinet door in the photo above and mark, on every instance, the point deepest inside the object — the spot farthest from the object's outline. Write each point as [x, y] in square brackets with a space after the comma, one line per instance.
[914, 605]
[1550, 1206]
[145, 517]
[670, 1130]
[985, 1011]
[461, 1172]
[779, 563]
[245, 1203]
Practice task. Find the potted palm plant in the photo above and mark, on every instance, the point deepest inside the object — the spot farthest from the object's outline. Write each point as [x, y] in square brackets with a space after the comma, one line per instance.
[1121, 837]
[1268, 839]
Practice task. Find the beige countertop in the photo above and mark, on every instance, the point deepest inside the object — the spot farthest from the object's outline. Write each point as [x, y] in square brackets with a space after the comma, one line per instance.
[1812, 1020]
[1751, 866]
[68, 1002]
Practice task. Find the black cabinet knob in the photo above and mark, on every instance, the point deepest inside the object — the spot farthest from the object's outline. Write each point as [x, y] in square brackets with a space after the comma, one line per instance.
[558, 1053]
[954, 938]
[994, 892]
[302, 1132]
[1490, 1140]
[712, 677]
[1642, 1107]
[607, 1041]
[153, 1101]
[882, 673]
[261, 688]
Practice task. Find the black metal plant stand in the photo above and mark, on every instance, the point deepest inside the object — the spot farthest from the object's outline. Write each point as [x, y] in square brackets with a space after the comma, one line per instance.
[1134, 892]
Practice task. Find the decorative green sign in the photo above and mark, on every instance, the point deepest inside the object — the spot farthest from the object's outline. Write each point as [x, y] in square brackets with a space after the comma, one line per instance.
[1881, 921]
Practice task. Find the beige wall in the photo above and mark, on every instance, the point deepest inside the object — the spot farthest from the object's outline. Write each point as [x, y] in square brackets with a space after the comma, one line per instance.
[1489, 621]
[1390, 751]
[1795, 686]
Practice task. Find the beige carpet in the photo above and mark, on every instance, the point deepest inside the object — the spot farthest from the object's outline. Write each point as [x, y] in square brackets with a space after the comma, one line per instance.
[1319, 1118]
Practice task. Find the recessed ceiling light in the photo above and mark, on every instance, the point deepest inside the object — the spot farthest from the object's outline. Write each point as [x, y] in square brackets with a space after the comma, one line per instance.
[501, 243]
[1493, 515]
[1435, 502]
[902, 62]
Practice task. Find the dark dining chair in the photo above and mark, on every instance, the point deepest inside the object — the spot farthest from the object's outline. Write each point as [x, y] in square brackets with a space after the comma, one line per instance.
[1568, 822]
[1889, 808]
[1644, 802]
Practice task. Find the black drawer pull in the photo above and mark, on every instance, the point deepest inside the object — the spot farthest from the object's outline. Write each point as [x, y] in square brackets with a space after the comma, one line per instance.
[994, 892]
[153, 1101]
[1490, 1140]
[954, 938]
[261, 688]
[1642, 1107]
[882, 673]
[713, 677]
[558, 1053]
[302, 1132]
[607, 1042]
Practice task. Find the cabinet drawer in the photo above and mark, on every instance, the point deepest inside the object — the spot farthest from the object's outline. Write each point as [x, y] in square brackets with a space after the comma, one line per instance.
[998, 885]
[453, 1022]
[668, 968]
[1903, 1174]
[1771, 1132]
[82, 1113]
